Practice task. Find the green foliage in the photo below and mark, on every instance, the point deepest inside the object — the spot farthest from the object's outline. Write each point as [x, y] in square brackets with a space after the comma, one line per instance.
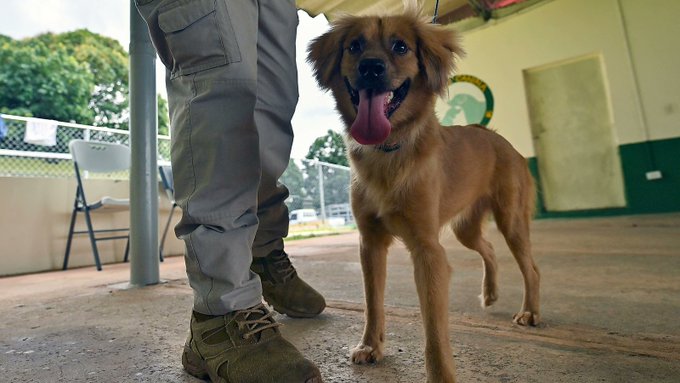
[45, 81]
[329, 148]
[107, 61]
[305, 180]
[294, 180]
[163, 117]
[335, 185]
[76, 76]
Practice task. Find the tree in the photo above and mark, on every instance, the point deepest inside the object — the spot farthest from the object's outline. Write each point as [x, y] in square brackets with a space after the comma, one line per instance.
[4, 39]
[329, 148]
[294, 180]
[106, 59]
[38, 80]
[76, 76]
[163, 117]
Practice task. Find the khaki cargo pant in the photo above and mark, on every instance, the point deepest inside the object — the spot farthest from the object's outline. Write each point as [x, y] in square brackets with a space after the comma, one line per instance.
[232, 90]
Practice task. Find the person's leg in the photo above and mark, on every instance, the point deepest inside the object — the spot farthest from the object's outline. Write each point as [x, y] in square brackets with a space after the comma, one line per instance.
[210, 49]
[212, 85]
[277, 96]
[215, 154]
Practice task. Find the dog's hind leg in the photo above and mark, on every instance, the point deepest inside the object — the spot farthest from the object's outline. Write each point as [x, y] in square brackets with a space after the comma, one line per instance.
[374, 243]
[468, 227]
[512, 211]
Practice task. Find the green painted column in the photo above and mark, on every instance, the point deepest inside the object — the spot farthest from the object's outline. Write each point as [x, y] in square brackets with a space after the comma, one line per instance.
[144, 259]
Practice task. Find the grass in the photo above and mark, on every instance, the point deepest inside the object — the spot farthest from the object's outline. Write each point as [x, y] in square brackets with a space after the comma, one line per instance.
[305, 231]
[47, 168]
[35, 167]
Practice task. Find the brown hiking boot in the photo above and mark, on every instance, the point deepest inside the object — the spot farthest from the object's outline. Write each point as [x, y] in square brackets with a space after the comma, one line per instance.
[244, 346]
[283, 289]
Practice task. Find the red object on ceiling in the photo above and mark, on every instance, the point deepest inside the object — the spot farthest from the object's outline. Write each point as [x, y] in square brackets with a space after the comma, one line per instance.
[504, 3]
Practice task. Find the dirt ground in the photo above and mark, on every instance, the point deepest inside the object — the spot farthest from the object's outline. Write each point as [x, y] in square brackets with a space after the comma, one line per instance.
[610, 307]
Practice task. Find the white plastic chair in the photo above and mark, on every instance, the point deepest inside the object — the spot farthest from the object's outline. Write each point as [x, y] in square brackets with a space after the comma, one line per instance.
[97, 157]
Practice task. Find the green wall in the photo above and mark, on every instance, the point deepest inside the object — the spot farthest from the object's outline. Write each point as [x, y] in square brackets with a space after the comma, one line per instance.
[642, 196]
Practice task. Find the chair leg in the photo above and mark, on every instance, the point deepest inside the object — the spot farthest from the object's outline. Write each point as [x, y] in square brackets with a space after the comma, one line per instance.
[70, 238]
[165, 231]
[127, 249]
[93, 240]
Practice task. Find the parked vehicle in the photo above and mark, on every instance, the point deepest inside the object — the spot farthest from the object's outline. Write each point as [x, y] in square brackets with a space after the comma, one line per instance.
[303, 216]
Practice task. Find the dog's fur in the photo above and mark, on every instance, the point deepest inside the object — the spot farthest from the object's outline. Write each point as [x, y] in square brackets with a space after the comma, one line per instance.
[423, 177]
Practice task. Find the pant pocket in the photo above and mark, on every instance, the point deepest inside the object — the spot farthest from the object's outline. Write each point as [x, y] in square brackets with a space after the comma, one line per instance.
[198, 34]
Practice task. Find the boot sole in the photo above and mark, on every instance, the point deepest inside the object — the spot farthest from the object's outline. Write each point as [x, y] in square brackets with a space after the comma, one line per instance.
[195, 366]
[295, 314]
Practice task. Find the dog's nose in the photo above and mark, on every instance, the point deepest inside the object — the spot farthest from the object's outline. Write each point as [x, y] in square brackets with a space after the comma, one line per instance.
[371, 69]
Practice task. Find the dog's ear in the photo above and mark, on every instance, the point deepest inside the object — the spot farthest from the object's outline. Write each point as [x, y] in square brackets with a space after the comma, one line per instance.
[325, 53]
[438, 51]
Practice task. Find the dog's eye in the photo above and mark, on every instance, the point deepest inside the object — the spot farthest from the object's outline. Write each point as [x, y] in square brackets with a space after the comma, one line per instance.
[355, 46]
[399, 47]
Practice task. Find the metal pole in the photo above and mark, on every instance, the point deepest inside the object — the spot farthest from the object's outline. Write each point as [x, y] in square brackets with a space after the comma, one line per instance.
[144, 259]
[349, 198]
[321, 193]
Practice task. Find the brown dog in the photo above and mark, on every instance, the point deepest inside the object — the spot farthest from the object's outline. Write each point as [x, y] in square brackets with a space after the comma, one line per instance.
[412, 176]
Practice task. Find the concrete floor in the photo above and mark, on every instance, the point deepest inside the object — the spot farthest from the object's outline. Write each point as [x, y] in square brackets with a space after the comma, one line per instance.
[610, 306]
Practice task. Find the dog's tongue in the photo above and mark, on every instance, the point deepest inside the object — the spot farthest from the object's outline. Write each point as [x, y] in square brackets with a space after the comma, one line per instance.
[371, 125]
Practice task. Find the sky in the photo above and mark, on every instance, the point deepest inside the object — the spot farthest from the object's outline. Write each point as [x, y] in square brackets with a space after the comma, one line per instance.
[315, 113]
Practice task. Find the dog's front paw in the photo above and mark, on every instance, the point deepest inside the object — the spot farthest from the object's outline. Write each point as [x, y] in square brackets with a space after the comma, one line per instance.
[526, 318]
[363, 353]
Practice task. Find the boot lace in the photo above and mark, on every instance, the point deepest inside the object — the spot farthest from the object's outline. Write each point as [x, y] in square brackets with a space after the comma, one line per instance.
[282, 266]
[255, 320]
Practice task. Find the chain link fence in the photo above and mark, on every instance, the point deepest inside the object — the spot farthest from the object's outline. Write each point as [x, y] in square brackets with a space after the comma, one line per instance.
[320, 186]
[33, 147]
[314, 185]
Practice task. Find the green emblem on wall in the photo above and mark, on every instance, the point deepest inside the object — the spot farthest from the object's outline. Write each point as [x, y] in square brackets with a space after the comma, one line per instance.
[470, 102]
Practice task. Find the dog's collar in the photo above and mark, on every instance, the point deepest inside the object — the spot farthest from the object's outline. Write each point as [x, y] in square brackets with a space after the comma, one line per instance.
[388, 148]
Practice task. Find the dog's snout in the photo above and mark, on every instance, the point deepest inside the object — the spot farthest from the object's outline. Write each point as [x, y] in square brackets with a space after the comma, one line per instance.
[372, 69]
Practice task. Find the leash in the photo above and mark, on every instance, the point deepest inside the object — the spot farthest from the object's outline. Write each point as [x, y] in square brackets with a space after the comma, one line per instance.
[436, 12]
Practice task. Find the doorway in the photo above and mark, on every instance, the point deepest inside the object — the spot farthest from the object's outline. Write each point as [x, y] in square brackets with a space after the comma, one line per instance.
[572, 129]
